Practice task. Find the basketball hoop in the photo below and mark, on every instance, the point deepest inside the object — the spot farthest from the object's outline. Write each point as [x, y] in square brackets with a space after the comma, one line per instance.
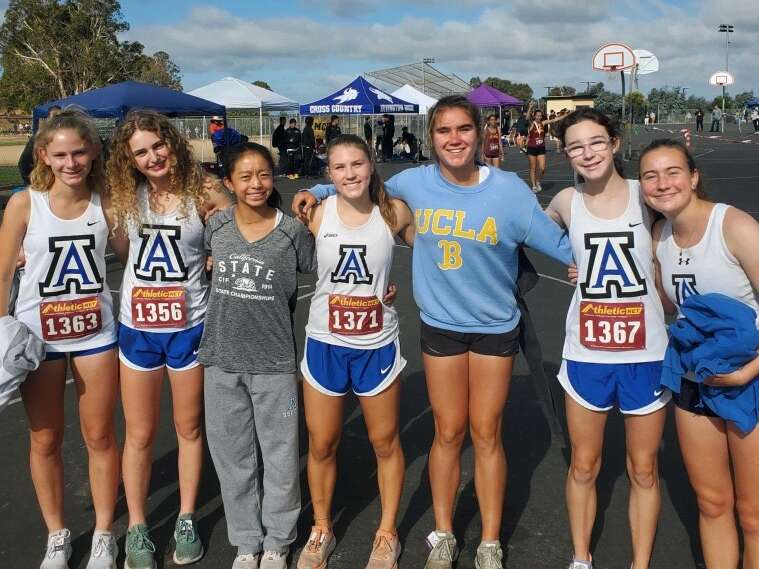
[613, 57]
[721, 79]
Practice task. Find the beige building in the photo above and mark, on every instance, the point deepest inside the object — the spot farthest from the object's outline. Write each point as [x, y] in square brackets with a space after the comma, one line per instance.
[569, 102]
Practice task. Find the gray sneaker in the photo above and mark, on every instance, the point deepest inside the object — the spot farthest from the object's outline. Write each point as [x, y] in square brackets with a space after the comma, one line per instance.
[444, 550]
[246, 561]
[489, 555]
[189, 548]
[575, 564]
[104, 551]
[273, 560]
[58, 550]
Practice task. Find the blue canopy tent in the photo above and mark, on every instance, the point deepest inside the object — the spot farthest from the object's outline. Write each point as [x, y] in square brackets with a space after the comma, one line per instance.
[115, 101]
[753, 102]
[359, 97]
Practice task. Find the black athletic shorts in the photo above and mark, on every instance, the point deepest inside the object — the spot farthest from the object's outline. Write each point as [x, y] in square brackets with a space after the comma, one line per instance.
[689, 399]
[536, 150]
[440, 342]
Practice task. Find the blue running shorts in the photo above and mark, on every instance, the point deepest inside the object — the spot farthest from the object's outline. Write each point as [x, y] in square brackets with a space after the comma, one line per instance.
[148, 351]
[334, 370]
[634, 388]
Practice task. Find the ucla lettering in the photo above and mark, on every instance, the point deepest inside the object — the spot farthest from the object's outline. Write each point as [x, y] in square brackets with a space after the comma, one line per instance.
[611, 269]
[352, 266]
[685, 286]
[159, 256]
[453, 222]
[451, 255]
[73, 268]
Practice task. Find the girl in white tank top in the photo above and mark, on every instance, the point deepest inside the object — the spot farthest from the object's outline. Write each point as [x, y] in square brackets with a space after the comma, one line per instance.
[702, 248]
[615, 332]
[159, 198]
[64, 299]
[355, 233]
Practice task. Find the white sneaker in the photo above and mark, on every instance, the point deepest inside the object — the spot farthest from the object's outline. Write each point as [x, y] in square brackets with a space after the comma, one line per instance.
[273, 560]
[540, 188]
[58, 550]
[580, 564]
[247, 561]
[104, 551]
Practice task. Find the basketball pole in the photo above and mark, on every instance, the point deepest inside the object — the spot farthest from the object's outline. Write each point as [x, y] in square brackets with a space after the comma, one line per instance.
[723, 108]
[628, 145]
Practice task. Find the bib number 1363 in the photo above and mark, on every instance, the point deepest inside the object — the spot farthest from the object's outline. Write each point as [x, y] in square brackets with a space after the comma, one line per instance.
[163, 307]
[70, 319]
[612, 326]
[354, 315]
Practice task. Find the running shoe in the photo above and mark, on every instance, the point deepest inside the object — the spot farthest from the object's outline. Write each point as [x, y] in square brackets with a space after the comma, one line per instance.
[575, 564]
[247, 561]
[540, 188]
[140, 551]
[489, 556]
[273, 560]
[444, 550]
[319, 547]
[385, 552]
[104, 551]
[189, 547]
[58, 550]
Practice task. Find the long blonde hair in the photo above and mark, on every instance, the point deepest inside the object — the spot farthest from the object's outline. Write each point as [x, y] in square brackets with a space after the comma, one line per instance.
[186, 177]
[42, 177]
[377, 191]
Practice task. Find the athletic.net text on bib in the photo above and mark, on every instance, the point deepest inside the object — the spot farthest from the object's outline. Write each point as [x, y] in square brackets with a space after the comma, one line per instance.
[612, 326]
[163, 307]
[354, 315]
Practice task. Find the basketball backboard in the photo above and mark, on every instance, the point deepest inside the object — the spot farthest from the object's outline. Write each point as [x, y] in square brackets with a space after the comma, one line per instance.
[613, 57]
[721, 78]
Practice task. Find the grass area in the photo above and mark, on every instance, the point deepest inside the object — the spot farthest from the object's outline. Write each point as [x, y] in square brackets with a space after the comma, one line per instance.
[13, 140]
[9, 175]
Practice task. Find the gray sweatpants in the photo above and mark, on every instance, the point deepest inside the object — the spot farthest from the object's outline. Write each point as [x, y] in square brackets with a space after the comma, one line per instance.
[245, 411]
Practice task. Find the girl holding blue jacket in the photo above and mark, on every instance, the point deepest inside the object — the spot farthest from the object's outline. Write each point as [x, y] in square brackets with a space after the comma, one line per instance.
[702, 248]
[470, 222]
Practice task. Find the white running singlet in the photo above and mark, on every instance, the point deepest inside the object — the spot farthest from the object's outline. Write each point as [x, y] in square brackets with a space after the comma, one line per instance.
[708, 266]
[615, 315]
[165, 288]
[352, 277]
[63, 297]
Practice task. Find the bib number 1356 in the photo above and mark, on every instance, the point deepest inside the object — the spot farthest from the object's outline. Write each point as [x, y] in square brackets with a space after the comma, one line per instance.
[613, 326]
[162, 307]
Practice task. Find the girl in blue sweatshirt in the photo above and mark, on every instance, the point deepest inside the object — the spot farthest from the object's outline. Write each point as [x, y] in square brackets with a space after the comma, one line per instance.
[470, 222]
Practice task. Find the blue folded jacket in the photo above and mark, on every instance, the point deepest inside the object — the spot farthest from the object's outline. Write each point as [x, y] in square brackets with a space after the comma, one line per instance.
[716, 335]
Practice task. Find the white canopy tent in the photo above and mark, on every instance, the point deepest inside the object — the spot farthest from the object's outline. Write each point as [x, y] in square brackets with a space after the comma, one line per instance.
[412, 95]
[235, 93]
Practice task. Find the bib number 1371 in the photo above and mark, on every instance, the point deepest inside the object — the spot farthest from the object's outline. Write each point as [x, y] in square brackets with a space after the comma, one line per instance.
[354, 315]
[613, 326]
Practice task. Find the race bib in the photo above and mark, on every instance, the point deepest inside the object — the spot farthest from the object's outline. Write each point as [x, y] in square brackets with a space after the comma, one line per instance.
[70, 319]
[619, 326]
[163, 307]
[354, 315]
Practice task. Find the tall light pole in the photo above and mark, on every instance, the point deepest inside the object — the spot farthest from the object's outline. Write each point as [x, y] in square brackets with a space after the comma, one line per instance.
[726, 29]
[588, 84]
[425, 61]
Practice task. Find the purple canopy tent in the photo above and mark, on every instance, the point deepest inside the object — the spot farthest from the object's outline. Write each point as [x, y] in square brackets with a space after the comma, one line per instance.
[487, 96]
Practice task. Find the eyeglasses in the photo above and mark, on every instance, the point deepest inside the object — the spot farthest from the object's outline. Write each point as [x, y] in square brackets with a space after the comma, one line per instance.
[595, 146]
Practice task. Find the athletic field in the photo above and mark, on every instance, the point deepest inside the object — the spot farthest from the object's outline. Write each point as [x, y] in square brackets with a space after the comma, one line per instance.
[535, 531]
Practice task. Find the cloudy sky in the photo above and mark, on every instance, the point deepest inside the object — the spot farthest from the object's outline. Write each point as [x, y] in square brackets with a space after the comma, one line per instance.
[306, 48]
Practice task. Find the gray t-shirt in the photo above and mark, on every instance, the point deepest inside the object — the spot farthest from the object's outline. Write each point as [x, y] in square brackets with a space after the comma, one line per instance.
[249, 320]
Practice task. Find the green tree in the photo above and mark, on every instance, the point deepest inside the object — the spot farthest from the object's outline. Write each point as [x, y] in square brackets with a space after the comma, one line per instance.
[717, 102]
[263, 84]
[742, 98]
[637, 102]
[564, 90]
[695, 102]
[475, 82]
[667, 99]
[71, 46]
[608, 103]
[519, 90]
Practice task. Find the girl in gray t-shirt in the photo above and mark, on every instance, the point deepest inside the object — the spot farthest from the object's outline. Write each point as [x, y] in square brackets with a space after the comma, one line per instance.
[248, 348]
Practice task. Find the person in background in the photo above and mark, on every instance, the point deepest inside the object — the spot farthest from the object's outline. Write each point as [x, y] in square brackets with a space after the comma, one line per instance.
[387, 138]
[26, 160]
[716, 119]
[522, 127]
[699, 120]
[754, 119]
[333, 129]
[492, 151]
[293, 141]
[368, 131]
[308, 141]
[380, 133]
[409, 145]
[278, 142]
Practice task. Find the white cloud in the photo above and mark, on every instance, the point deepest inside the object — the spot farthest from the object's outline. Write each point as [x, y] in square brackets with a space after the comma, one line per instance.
[510, 41]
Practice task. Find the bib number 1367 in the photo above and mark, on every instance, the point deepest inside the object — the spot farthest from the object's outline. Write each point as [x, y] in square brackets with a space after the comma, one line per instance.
[613, 326]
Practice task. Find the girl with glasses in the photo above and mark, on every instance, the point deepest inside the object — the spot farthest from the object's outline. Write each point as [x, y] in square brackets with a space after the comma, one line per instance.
[615, 333]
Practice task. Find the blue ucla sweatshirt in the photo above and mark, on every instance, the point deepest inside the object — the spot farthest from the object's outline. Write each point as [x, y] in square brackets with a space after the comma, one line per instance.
[467, 239]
